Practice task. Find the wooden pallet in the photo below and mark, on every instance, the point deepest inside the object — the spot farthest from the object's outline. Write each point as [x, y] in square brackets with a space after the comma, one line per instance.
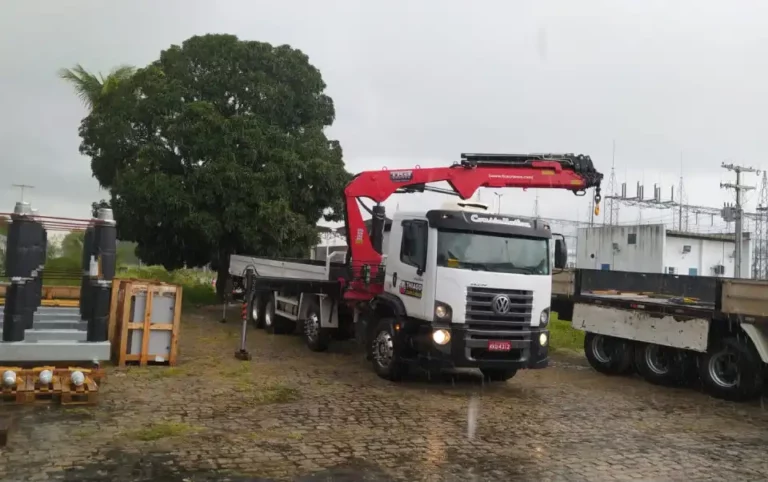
[85, 394]
[29, 390]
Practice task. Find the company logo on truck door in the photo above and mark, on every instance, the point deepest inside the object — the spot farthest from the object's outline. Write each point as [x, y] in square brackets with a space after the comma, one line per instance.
[400, 176]
[409, 288]
[476, 218]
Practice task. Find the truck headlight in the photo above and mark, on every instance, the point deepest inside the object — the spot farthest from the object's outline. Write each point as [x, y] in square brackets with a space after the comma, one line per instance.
[441, 337]
[442, 312]
[544, 318]
[543, 339]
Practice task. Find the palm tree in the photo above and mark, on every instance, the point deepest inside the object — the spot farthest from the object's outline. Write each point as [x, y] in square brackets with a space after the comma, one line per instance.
[90, 87]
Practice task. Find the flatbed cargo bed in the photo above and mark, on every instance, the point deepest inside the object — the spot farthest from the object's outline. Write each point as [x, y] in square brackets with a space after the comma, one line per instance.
[697, 296]
[281, 268]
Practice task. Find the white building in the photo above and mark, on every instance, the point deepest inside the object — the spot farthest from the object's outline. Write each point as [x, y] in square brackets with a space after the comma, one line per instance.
[652, 248]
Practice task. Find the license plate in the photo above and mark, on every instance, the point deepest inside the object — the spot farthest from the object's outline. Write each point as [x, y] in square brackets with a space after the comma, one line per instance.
[499, 345]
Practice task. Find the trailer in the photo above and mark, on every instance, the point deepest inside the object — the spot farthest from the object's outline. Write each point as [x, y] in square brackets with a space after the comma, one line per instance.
[670, 328]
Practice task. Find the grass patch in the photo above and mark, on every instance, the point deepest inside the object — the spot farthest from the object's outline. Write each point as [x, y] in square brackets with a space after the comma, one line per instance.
[564, 337]
[84, 432]
[157, 372]
[160, 430]
[275, 435]
[268, 394]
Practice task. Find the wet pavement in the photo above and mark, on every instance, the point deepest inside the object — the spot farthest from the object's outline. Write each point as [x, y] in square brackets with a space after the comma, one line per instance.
[290, 414]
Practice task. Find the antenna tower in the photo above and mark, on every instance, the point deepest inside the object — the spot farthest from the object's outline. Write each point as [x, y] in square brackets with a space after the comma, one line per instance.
[760, 261]
[612, 206]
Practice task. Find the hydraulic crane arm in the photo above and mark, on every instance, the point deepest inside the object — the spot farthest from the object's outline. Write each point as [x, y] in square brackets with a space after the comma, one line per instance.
[575, 173]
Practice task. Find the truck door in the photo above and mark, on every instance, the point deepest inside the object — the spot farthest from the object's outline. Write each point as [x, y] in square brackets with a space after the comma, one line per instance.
[407, 265]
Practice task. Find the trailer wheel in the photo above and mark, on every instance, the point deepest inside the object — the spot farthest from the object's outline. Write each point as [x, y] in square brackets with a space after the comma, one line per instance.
[497, 374]
[660, 365]
[316, 337]
[256, 310]
[732, 370]
[385, 351]
[607, 354]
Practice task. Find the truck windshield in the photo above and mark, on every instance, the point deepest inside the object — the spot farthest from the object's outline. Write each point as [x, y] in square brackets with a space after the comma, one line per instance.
[495, 253]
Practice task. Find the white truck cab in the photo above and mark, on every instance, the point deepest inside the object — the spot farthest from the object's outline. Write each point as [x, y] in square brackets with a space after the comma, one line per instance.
[473, 289]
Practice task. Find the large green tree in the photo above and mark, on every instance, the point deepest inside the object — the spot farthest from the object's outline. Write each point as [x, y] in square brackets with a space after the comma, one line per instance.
[215, 148]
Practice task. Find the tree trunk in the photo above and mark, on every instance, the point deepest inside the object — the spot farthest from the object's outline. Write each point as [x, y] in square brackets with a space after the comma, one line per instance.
[223, 280]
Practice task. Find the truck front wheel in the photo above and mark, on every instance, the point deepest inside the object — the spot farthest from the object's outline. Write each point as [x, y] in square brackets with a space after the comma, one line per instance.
[660, 365]
[732, 370]
[497, 374]
[385, 351]
[607, 354]
[316, 337]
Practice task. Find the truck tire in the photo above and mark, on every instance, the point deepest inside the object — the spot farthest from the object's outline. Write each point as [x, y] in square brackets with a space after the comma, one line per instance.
[316, 337]
[660, 365]
[385, 351]
[274, 324]
[497, 374]
[256, 310]
[732, 370]
[607, 354]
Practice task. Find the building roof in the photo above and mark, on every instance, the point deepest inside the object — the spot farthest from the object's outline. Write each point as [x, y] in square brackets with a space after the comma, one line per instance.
[708, 236]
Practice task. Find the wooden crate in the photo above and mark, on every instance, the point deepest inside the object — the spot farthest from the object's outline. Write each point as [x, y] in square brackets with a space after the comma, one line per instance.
[122, 330]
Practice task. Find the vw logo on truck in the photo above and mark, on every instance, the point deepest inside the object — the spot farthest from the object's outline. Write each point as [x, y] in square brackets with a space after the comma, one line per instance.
[501, 304]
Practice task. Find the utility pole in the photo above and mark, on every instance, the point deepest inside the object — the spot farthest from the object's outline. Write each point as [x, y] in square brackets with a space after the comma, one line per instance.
[680, 193]
[737, 210]
[22, 187]
[612, 204]
[536, 206]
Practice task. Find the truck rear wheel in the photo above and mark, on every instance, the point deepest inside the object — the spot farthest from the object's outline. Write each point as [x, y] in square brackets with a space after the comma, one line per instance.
[316, 337]
[256, 310]
[274, 324]
[660, 365]
[497, 374]
[732, 370]
[607, 354]
[385, 351]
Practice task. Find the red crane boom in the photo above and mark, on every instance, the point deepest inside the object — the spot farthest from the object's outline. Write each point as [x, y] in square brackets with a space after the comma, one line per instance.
[571, 172]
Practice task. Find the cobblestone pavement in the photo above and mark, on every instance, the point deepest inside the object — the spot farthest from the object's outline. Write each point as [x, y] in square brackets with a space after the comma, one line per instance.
[290, 414]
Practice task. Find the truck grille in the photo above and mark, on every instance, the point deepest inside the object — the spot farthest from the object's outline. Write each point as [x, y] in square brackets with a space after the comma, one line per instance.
[480, 314]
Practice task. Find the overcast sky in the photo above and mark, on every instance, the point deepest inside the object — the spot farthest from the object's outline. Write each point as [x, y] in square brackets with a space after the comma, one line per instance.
[419, 82]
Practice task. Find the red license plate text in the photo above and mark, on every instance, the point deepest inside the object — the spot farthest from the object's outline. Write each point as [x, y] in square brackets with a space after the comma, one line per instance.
[495, 345]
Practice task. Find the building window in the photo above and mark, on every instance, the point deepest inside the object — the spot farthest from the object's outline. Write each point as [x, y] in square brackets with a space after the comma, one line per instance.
[670, 270]
[632, 238]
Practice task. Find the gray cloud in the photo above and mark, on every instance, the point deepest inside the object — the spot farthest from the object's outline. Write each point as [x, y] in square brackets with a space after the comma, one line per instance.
[420, 82]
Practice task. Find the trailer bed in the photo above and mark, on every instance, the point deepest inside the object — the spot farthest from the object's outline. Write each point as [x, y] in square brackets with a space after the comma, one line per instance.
[663, 293]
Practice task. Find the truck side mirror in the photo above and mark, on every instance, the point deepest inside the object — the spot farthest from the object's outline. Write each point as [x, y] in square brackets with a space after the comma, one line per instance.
[561, 252]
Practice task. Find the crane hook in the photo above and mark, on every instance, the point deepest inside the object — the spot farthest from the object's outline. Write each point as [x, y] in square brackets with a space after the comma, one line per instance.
[598, 198]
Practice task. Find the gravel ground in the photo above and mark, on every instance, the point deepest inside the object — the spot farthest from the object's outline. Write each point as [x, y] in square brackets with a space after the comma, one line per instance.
[290, 414]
